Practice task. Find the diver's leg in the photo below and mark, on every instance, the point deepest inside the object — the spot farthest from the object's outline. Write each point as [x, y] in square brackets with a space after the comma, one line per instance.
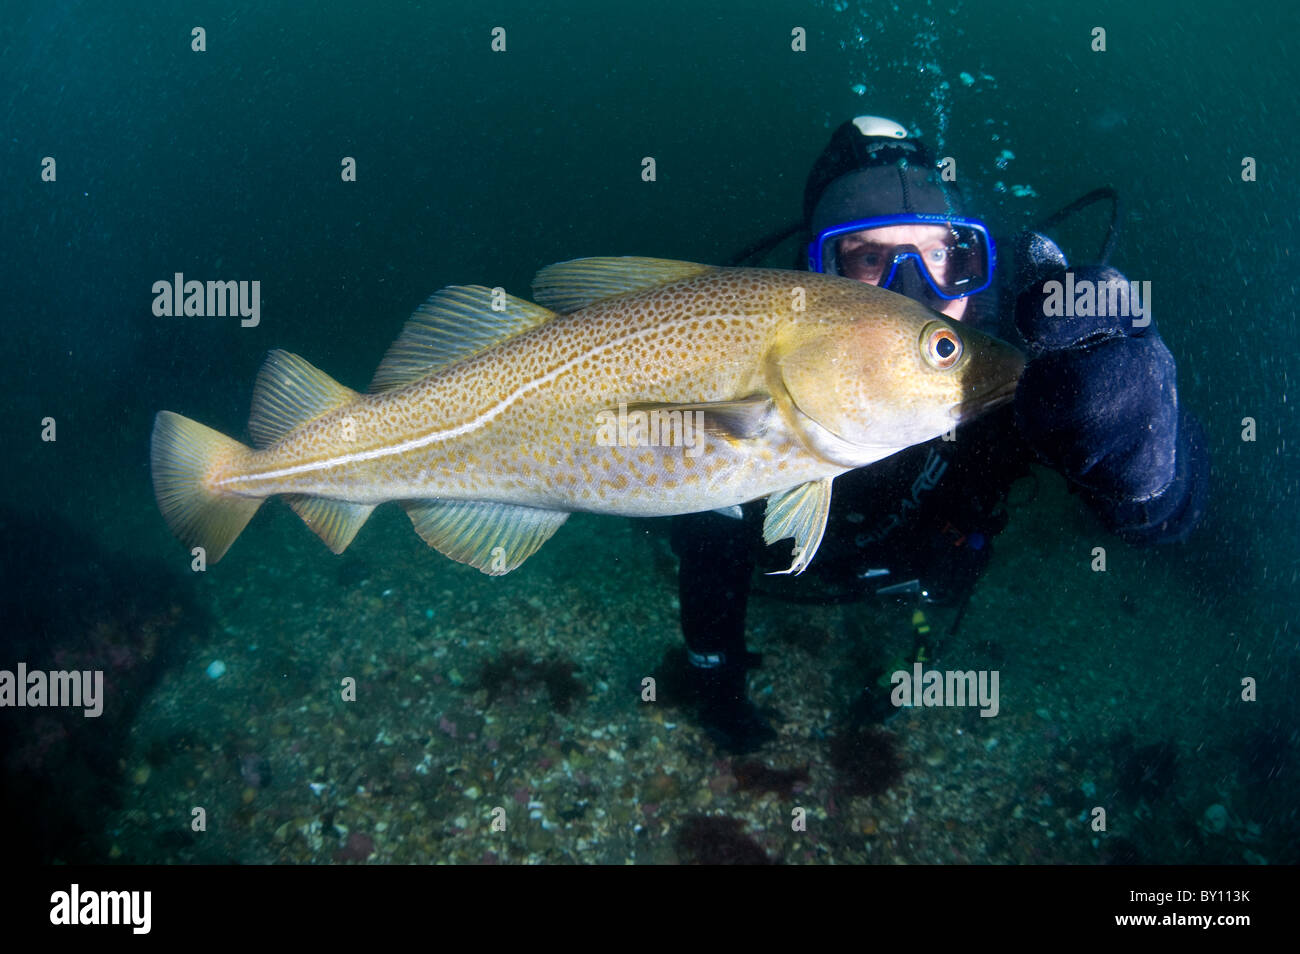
[716, 563]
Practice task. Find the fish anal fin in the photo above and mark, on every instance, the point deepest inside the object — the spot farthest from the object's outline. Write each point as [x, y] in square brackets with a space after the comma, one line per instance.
[334, 521]
[491, 537]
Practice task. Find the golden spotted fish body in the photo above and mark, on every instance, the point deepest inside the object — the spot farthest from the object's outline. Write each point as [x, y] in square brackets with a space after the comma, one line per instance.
[660, 388]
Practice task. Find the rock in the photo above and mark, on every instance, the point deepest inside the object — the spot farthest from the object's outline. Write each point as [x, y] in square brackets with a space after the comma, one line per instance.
[661, 787]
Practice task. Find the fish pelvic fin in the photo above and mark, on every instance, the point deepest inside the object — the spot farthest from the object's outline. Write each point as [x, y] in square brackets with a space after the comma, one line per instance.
[182, 455]
[491, 537]
[290, 392]
[799, 512]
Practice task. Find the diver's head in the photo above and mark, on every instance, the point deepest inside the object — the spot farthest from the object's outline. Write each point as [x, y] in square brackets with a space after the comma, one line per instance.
[878, 211]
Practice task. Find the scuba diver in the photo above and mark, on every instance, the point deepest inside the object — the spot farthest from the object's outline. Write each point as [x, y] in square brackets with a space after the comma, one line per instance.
[1097, 403]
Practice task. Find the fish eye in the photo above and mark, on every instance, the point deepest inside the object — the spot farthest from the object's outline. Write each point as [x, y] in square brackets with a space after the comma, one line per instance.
[940, 345]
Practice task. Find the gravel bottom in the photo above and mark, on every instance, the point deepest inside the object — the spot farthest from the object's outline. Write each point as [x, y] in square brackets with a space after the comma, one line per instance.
[359, 719]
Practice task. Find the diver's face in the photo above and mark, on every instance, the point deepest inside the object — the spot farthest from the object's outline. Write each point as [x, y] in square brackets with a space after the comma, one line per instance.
[866, 256]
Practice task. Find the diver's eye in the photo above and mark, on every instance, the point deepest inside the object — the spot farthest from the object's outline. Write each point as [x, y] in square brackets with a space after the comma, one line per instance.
[937, 255]
[866, 258]
[940, 346]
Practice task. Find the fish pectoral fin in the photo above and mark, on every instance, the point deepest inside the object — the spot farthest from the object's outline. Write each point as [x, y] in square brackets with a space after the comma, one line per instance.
[740, 420]
[491, 537]
[801, 513]
[334, 521]
[290, 392]
[568, 286]
[452, 326]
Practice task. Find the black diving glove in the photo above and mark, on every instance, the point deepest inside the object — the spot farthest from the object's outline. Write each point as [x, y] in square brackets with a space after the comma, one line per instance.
[1098, 402]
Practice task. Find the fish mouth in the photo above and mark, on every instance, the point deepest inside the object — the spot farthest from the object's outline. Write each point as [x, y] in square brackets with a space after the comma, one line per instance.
[985, 402]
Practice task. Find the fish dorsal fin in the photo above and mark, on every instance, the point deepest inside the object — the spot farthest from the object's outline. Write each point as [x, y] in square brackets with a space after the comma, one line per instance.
[799, 512]
[568, 286]
[290, 392]
[452, 326]
[491, 537]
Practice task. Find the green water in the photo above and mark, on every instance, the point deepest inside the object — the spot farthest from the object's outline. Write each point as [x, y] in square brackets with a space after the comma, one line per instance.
[476, 166]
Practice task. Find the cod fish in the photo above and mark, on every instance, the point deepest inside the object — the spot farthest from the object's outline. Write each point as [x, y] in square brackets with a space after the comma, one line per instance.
[638, 387]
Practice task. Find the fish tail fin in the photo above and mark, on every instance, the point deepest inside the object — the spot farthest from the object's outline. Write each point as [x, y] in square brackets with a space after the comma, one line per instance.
[183, 454]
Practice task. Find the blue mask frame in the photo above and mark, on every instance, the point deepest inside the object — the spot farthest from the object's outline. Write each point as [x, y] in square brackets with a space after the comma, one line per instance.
[817, 260]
